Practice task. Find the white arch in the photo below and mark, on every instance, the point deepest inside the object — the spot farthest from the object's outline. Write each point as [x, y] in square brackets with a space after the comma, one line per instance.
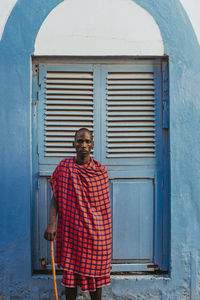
[99, 27]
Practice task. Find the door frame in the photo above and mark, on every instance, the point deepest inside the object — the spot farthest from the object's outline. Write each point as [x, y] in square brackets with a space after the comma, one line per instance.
[162, 217]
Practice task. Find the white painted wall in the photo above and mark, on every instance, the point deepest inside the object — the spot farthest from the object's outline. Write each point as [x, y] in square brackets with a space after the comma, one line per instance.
[192, 7]
[99, 27]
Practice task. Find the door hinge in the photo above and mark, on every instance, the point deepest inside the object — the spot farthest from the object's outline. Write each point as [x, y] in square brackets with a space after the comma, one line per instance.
[152, 267]
[36, 69]
[43, 263]
[38, 95]
[165, 114]
[165, 96]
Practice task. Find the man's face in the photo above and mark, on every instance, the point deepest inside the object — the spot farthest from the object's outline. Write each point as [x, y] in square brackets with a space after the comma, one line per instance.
[83, 143]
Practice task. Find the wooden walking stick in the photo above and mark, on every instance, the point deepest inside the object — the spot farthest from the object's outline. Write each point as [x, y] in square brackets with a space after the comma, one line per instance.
[54, 272]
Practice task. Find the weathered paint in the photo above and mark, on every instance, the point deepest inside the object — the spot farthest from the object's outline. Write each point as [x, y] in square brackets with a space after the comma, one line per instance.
[181, 44]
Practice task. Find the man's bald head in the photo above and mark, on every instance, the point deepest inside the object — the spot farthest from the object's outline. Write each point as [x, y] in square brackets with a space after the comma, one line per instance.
[82, 130]
[83, 143]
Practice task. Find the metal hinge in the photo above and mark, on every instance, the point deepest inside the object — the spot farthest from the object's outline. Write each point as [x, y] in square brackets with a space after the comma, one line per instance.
[35, 68]
[152, 267]
[38, 96]
[165, 96]
[165, 114]
[43, 263]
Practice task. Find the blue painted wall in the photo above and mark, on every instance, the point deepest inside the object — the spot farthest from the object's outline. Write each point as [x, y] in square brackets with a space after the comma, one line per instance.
[16, 48]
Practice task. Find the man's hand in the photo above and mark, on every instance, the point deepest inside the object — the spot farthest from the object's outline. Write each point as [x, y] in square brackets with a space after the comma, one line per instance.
[50, 233]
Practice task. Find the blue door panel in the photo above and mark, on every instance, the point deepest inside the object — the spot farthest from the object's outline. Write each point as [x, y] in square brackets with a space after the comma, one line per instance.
[41, 245]
[133, 210]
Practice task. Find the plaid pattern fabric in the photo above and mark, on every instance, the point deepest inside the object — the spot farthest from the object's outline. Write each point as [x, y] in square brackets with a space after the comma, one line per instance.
[86, 283]
[84, 233]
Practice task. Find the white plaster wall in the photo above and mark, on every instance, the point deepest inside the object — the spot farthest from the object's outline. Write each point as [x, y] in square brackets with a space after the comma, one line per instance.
[99, 27]
[192, 7]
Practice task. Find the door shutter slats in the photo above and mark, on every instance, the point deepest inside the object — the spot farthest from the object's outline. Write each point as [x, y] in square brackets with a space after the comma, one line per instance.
[66, 81]
[133, 80]
[124, 103]
[59, 144]
[69, 103]
[66, 75]
[65, 87]
[127, 125]
[131, 155]
[69, 112]
[67, 124]
[68, 92]
[67, 134]
[59, 139]
[127, 150]
[130, 110]
[127, 88]
[130, 115]
[129, 93]
[68, 106]
[56, 154]
[131, 145]
[131, 75]
[131, 98]
[127, 139]
[130, 118]
[124, 134]
[56, 150]
[69, 97]
[58, 128]
[69, 117]
[132, 129]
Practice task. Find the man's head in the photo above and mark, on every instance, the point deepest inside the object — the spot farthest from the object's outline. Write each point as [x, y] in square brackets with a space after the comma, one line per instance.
[83, 142]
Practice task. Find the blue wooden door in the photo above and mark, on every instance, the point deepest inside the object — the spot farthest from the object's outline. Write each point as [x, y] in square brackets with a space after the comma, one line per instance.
[122, 104]
[131, 129]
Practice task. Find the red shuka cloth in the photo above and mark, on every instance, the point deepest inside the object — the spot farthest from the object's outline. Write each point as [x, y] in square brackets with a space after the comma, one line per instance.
[84, 230]
[86, 283]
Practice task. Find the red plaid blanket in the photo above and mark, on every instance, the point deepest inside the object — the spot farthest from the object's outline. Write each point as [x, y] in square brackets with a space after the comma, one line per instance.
[84, 233]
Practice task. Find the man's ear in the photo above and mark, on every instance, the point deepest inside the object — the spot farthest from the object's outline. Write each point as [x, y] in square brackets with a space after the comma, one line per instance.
[92, 144]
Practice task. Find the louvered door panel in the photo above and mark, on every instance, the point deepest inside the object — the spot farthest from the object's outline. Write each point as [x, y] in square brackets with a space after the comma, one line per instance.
[131, 138]
[122, 104]
[130, 115]
[69, 100]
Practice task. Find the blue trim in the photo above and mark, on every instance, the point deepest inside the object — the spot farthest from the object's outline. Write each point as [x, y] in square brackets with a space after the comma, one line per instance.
[166, 225]
[24, 23]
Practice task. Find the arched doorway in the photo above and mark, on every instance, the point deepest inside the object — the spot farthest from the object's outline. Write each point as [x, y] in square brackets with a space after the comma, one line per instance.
[124, 101]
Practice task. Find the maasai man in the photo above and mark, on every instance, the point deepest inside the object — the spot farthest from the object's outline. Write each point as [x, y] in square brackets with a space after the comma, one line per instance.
[83, 236]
